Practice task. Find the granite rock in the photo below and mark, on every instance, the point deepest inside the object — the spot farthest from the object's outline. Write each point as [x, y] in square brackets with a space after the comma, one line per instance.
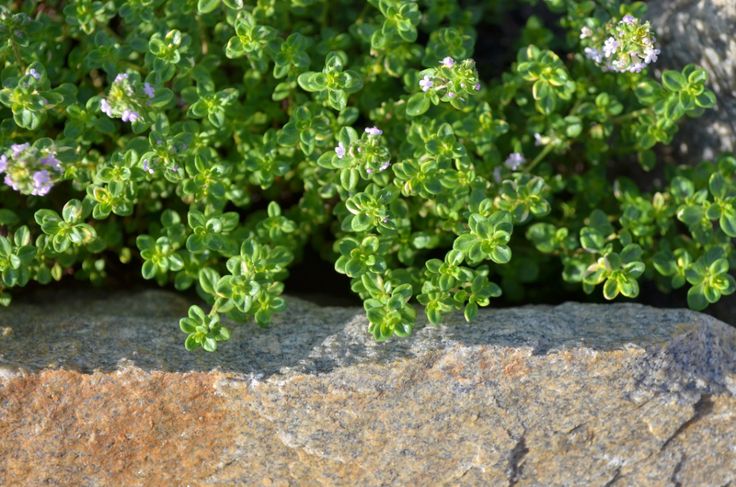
[701, 32]
[97, 390]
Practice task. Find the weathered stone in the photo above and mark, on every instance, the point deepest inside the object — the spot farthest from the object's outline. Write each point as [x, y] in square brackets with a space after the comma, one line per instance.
[97, 390]
[702, 32]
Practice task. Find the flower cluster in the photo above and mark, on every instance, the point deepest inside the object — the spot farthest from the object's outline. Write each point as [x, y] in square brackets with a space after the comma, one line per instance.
[368, 151]
[626, 46]
[31, 169]
[452, 79]
[128, 98]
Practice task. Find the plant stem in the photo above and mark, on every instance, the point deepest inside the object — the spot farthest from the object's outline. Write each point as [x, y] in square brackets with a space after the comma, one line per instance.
[547, 149]
[631, 115]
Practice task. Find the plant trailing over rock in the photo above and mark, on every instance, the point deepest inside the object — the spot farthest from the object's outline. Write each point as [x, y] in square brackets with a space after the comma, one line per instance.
[210, 141]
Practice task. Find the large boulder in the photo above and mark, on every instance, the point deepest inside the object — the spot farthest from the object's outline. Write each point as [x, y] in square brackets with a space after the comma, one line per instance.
[701, 32]
[98, 390]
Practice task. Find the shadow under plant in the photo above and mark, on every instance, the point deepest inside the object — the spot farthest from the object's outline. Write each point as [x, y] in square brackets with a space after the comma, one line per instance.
[87, 331]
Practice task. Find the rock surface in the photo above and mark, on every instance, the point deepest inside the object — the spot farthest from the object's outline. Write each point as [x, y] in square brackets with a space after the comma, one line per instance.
[701, 32]
[97, 390]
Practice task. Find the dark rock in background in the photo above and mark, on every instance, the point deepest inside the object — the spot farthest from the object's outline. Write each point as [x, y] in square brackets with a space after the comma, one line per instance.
[702, 32]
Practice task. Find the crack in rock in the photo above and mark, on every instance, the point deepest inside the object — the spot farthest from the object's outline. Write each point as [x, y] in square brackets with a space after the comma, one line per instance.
[702, 408]
[516, 459]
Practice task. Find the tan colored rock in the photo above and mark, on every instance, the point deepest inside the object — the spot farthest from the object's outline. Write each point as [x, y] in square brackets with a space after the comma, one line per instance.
[568, 395]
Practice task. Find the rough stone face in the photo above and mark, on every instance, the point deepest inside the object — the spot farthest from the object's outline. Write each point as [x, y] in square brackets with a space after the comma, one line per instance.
[701, 32]
[98, 390]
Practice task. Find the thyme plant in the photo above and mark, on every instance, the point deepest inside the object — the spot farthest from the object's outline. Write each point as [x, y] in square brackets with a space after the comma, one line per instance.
[207, 142]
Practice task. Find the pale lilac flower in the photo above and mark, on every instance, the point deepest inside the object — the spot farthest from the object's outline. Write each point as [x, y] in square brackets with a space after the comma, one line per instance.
[448, 62]
[637, 67]
[514, 161]
[384, 166]
[451, 94]
[538, 139]
[148, 90]
[147, 167]
[497, 174]
[477, 87]
[593, 54]
[585, 32]
[340, 150]
[373, 131]
[19, 148]
[175, 168]
[369, 170]
[51, 161]
[120, 77]
[105, 107]
[3, 163]
[651, 55]
[130, 116]
[610, 46]
[628, 19]
[41, 183]
[9, 182]
[34, 73]
[426, 83]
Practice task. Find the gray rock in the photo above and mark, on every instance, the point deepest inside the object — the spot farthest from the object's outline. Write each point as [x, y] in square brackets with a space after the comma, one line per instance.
[97, 390]
[701, 32]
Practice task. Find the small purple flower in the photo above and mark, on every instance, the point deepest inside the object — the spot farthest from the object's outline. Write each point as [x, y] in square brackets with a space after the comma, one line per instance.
[174, 168]
[105, 107]
[51, 161]
[384, 166]
[120, 77]
[41, 183]
[146, 167]
[9, 182]
[610, 46]
[585, 32]
[651, 55]
[34, 73]
[373, 131]
[448, 62]
[340, 150]
[628, 19]
[515, 160]
[369, 170]
[3, 163]
[477, 87]
[148, 89]
[18, 149]
[130, 116]
[637, 67]
[538, 139]
[497, 174]
[593, 54]
[426, 83]
[450, 94]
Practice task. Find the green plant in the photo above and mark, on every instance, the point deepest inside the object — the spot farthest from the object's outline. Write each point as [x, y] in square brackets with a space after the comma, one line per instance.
[210, 141]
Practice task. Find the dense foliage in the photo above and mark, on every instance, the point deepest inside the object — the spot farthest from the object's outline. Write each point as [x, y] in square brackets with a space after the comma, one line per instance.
[210, 141]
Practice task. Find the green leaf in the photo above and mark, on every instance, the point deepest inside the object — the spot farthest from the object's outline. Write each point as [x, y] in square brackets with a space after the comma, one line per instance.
[673, 81]
[696, 298]
[207, 6]
[417, 105]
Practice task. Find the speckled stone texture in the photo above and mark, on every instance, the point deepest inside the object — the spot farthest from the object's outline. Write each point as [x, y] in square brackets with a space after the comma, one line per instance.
[701, 32]
[97, 390]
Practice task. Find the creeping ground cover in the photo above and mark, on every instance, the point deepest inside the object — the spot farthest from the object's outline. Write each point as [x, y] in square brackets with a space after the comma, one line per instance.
[208, 143]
